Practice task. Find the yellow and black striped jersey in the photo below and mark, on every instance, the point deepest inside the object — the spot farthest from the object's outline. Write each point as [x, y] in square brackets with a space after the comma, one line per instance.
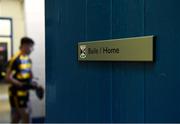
[21, 66]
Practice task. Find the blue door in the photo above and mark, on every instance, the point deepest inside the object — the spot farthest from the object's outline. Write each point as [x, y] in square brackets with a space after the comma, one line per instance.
[112, 91]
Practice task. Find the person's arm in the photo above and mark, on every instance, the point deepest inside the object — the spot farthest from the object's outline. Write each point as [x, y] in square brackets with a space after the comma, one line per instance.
[9, 74]
[9, 78]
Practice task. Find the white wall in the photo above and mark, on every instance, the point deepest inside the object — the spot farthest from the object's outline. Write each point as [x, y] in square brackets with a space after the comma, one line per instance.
[35, 28]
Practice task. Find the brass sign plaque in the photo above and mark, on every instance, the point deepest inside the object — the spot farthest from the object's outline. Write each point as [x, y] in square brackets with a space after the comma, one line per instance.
[125, 49]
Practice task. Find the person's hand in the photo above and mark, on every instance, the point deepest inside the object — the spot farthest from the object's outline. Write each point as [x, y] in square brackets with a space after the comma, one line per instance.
[34, 83]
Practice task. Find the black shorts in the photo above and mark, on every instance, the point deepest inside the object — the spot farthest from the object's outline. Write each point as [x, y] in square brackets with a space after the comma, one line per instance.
[18, 98]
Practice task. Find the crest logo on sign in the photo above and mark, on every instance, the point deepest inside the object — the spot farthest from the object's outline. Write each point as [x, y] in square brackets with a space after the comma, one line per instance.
[82, 51]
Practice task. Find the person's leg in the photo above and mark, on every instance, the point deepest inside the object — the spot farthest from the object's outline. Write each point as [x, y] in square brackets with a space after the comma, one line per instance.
[15, 116]
[25, 113]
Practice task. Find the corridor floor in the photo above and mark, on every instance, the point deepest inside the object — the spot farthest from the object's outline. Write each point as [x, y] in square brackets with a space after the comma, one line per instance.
[4, 104]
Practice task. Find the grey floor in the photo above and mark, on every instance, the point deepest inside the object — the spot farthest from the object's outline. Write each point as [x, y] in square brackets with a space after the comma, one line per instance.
[4, 104]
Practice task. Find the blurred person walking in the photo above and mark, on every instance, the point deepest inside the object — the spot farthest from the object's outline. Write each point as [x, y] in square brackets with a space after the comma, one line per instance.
[19, 75]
